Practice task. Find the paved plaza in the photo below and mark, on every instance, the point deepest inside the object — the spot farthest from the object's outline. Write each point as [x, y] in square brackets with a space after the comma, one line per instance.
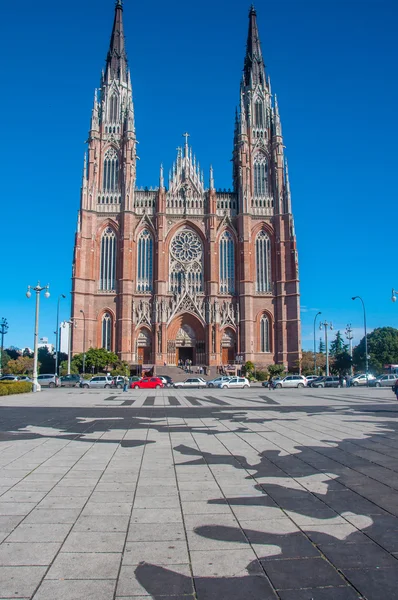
[205, 495]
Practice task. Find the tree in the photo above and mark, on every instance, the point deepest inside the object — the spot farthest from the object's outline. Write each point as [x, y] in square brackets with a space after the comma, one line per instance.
[5, 357]
[99, 358]
[321, 349]
[13, 353]
[276, 370]
[307, 362]
[338, 346]
[20, 366]
[342, 363]
[46, 359]
[382, 349]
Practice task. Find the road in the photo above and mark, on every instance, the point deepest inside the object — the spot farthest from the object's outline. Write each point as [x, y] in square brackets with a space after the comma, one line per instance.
[202, 494]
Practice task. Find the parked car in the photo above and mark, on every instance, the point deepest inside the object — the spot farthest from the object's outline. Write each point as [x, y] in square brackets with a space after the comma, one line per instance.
[24, 378]
[292, 381]
[214, 382]
[118, 382]
[310, 378]
[383, 381]
[274, 381]
[71, 381]
[361, 379]
[147, 383]
[51, 381]
[9, 378]
[167, 381]
[98, 382]
[235, 382]
[325, 382]
[192, 382]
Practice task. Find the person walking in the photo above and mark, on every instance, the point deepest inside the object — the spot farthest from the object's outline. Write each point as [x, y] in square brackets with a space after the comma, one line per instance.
[395, 389]
[125, 384]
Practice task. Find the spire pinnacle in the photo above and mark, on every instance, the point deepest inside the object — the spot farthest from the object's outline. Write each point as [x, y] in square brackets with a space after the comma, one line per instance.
[116, 62]
[254, 70]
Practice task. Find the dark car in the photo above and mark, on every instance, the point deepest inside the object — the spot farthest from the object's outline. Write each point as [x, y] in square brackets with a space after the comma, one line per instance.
[330, 381]
[71, 381]
[168, 382]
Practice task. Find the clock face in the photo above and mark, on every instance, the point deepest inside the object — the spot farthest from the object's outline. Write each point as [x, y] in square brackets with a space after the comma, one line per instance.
[186, 246]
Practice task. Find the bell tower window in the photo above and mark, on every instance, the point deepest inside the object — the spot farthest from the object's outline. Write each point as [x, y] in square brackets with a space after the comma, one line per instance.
[144, 262]
[264, 334]
[227, 264]
[259, 114]
[108, 261]
[106, 341]
[260, 177]
[110, 181]
[113, 109]
[263, 262]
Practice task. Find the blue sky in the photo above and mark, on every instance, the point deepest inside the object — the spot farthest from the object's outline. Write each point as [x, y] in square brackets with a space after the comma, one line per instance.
[332, 64]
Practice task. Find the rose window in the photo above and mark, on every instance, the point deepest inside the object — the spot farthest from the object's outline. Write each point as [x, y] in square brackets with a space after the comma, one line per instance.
[186, 246]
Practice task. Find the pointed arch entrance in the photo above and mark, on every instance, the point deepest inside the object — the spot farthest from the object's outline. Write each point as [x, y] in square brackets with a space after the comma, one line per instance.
[186, 340]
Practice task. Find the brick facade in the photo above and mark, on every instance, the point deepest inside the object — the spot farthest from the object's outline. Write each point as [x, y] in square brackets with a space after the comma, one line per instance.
[190, 313]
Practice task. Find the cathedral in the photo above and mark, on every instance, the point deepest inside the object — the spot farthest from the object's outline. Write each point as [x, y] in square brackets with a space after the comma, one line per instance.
[186, 271]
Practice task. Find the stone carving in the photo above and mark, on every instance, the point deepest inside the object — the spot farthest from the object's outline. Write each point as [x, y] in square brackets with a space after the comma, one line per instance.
[227, 314]
[142, 312]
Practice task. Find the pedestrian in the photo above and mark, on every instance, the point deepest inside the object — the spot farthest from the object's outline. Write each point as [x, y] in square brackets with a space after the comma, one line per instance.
[126, 382]
[395, 389]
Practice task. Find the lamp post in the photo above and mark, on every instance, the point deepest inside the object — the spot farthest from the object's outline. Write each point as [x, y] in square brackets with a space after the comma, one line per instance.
[3, 331]
[316, 316]
[350, 337]
[38, 288]
[57, 335]
[70, 325]
[366, 337]
[84, 341]
[327, 326]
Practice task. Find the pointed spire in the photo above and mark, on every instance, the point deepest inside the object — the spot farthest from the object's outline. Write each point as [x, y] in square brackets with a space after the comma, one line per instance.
[277, 119]
[288, 196]
[211, 177]
[161, 177]
[116, 62]
[254, 70]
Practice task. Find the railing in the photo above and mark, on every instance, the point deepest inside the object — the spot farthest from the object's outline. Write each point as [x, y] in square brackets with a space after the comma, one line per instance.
[179, 206]
[227, 203]
[145, 200]
[109, 198]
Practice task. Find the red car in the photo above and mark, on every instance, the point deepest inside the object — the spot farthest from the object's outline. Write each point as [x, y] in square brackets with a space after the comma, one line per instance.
[147, 383]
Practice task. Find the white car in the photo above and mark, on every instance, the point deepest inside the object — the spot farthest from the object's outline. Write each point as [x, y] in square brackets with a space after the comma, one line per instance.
[360, 379]
[214, 382]
[101, 381]
[192, 382]
[311, 378]
[292, 381]
[234, 382]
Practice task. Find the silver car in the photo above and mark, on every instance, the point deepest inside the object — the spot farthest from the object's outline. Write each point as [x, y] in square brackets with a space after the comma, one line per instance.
[292, 381]
[234, 382]
[361, 379]
[383, 381]
[192, 382]
[51, 381]
[214, 382]
[101, 381]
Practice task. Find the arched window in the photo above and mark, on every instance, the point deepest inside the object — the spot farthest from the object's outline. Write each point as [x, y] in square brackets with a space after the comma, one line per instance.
[110, 182]
[108, 260]
[113, 108]
[263, 262]
[227, 264]
[186, 263]
[264, 334]
[260, 177]
[259, 114]
[144, 262]
[106, 341]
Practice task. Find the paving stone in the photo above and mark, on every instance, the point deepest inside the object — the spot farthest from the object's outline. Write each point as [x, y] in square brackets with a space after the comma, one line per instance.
[157, 502]
[112, 509]
[344, 556]
[61, 502]
[98, 523]
[377, 584]
[167, 515]
[31, 554]
[76, 590]
[89, 541]
[298, 573]
[19, 508]
[69, 565]
[52, 516]
[20, 582]
[221, 563]
[326, 593]
[8, 523]
[70, 492]
[156, 532]
[160, 553]
[22, 496]
[25, 533]
[137, 580]
[234, 588]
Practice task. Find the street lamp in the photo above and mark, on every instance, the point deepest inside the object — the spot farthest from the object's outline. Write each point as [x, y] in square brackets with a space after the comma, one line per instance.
[70, 324]
[84, 341]
[37, 289]
[57, 335]
[316, 316]
[350, 337]
[366, 337]
[3, 331]
[393, 295]
[327, 326]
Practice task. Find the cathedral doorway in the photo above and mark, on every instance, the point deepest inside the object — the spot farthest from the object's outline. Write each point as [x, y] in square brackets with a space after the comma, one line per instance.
[186, 340]
[228, 347]
[144, 347]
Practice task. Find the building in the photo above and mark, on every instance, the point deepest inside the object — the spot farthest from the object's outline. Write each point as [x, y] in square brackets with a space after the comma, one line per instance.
[185, 271]
[43, 343]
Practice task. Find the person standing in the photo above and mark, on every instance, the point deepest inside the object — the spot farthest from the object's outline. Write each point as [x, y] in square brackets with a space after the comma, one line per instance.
[126, 382]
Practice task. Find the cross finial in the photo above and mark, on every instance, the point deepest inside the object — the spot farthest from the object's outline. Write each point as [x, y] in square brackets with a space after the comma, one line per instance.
[186, 136]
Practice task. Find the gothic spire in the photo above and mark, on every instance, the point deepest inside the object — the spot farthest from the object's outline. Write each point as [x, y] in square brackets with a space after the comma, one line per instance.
[254, 69]
[116, 62]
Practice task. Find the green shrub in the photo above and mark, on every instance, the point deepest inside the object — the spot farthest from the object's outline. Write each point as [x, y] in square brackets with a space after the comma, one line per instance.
[262, 375]
[14, 387]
